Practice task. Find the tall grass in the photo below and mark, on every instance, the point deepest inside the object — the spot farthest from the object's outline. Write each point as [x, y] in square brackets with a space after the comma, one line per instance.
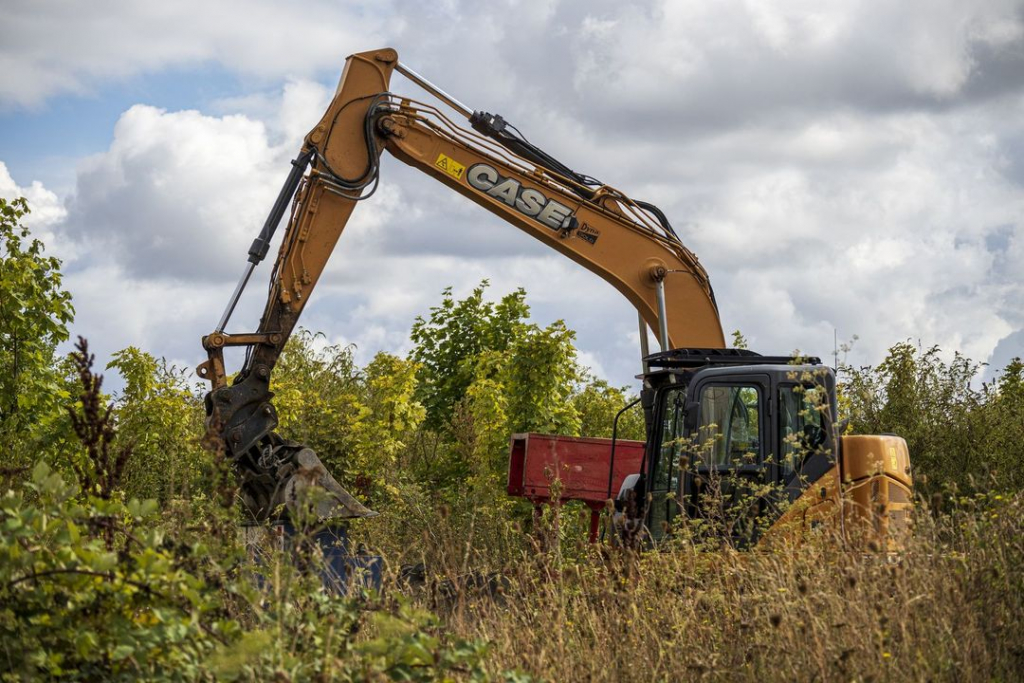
[949, 607]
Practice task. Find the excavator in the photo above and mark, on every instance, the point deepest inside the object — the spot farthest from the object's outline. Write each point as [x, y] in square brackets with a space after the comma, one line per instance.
[763, 431]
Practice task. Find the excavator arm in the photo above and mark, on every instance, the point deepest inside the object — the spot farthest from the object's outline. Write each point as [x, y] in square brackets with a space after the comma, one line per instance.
[626, 242]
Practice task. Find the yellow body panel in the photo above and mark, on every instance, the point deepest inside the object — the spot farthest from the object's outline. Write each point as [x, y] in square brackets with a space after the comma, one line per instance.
[875, 497]
[877, 489]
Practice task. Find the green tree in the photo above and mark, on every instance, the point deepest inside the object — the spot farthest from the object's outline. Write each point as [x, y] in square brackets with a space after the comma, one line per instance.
[390, 417]
[160, 416]
[318, 396]
[597, 404]
[540, 376]
[35, 311]
[1000, 427]
[359, 421]
[484, 416]
[487, 372]
[914, 393]
[452, 337]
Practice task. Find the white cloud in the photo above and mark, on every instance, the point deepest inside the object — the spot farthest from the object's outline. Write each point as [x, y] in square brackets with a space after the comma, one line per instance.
[44, 206]
[175, 191]
[850, 165]
[891, 251]
[46, 212]
[751, 57]
[49, 46]
[181, 195]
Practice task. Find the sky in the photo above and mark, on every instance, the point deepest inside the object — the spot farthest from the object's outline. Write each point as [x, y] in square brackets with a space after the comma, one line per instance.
[843, 169]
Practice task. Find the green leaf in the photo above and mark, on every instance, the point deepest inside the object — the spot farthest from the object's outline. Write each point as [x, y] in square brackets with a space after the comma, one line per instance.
[40, 472]
[122, 652]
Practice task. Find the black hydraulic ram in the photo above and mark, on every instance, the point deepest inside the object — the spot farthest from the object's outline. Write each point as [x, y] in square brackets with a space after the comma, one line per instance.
[260, 245]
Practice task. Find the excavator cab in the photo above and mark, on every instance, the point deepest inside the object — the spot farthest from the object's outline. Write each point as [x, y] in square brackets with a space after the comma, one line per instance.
[744, 448]
[737, 437]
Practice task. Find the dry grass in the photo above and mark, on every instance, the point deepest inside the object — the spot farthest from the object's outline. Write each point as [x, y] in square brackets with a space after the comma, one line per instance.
[951, 607]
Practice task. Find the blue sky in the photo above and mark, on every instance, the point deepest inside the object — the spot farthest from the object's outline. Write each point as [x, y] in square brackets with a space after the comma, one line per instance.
[45, 141]
[837, 166]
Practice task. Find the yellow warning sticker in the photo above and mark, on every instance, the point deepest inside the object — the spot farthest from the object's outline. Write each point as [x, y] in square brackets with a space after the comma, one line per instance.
[893, 462]
[450, 166]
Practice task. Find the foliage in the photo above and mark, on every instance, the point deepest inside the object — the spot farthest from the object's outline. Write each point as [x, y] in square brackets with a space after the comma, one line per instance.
[391, 416]
[160, 416]
[597, 403]
[486, 373]
[54, 438]
[138, 572]
[539, 378]
[956, 434]
[738, 340]
[1000, 427]
[318, 397]
[526, 389]
[449, 341]
[76, 608]
[357, 420]
[95, 588]
[34, 314]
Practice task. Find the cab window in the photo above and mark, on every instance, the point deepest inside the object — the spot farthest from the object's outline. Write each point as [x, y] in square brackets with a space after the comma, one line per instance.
[730, 425]
[802, 426]
[665, 475]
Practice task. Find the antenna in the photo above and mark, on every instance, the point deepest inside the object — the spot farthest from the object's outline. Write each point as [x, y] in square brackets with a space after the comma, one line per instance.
[835, 349]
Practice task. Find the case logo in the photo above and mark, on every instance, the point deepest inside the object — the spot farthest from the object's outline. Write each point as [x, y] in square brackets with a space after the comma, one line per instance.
[527, 201]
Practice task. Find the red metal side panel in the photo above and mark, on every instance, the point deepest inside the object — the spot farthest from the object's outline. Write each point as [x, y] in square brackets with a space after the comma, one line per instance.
[516, 463]
[580, 464]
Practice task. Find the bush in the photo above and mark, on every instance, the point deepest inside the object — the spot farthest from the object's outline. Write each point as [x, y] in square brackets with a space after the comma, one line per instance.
[957, 434]
[35, 311]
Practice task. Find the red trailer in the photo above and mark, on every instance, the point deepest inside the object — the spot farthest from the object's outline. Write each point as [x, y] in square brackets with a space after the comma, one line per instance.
[581, 466]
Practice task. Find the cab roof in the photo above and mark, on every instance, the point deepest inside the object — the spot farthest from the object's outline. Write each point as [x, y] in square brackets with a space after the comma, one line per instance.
[691, 359]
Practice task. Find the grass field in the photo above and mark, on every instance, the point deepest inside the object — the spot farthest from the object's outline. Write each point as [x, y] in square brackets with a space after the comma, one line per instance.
[949, 607]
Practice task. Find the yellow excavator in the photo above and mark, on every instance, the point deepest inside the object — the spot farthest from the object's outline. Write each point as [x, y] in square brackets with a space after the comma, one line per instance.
[762, 429]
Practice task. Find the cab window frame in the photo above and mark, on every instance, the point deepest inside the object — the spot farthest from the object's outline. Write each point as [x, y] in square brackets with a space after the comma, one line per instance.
[762, 386]
[662, 480]
[787, 468]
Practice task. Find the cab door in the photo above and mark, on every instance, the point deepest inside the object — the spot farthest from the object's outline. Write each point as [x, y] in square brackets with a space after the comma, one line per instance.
[666, 456]
[726, 483]
[807, 451]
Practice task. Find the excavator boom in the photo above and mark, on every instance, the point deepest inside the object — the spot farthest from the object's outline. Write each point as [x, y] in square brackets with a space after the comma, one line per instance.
[626, 242]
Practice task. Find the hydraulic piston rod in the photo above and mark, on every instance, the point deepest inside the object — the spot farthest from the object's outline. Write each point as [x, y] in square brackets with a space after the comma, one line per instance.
[662, 315]
[260, 245]
[434, 90]
[239, 288]
[645, 349]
